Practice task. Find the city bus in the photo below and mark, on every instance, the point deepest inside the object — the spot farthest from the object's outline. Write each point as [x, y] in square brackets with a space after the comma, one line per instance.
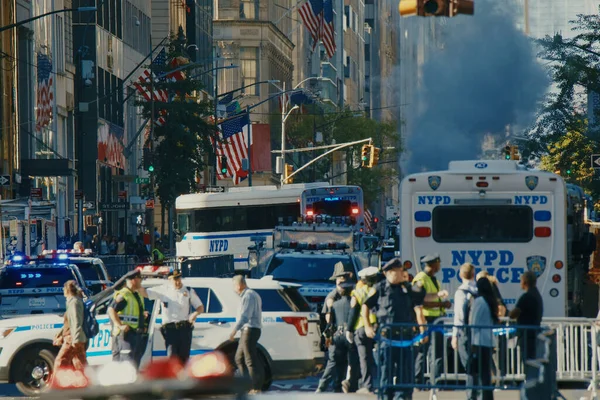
[495, 215]
[223, 223]
[339, 202]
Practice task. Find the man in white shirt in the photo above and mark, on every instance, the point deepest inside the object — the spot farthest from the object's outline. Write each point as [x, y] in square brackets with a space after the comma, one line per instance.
[177, 322]
[462, 305]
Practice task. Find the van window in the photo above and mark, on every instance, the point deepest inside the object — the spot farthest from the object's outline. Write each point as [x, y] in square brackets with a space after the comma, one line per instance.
[211, 302]
[275, 300]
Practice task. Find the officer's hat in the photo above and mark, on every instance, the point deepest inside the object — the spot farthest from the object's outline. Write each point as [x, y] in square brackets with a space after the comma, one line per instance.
[368, 272]
[338, 271]
[430, 258]
[174, 274]
[393, 263]
[133, 274]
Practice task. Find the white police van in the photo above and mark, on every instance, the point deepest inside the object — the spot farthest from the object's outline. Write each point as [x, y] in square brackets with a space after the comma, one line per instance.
[35, 286]
[288, 346]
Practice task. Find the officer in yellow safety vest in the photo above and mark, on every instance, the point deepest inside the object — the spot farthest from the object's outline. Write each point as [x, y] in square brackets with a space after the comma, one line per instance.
[434, 307]
[356, 327]
[127, 317]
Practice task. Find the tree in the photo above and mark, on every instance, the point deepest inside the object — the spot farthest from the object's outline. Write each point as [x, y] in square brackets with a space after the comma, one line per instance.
[183, 140]
[348, 126]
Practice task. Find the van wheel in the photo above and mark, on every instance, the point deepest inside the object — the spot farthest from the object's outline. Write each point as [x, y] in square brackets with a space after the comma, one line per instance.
[33, 370]
[267, 377]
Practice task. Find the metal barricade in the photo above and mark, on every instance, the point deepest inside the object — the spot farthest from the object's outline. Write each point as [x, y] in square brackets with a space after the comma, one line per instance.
[118, 265]
[529, 368]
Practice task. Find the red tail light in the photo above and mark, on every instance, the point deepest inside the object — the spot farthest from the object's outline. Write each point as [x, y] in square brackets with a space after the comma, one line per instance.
[407, 265]
[542, 231]
[482, 184]
[556, 278]
[422, 231]
[104, 286]
[315, 299]
[166, 368]
[309, 213]
[301, 324]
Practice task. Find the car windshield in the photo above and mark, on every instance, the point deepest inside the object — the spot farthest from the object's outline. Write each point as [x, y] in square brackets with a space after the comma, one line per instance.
[87, 269]
[32, 278]
[311, 268]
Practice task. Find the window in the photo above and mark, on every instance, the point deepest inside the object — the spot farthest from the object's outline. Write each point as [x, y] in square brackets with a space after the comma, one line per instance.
[34, 278]
[243, 218]
[346, 17]
[482, 224]
[59, 55]
[247, 9]
[212, 305]
[249, 64]
[275, 301]
[306, 268]
[88, 270]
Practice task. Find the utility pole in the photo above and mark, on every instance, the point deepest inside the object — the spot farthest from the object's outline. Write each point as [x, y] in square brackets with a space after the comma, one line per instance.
[283, 134]
[152, 179]
[213, 177]
[249, 147]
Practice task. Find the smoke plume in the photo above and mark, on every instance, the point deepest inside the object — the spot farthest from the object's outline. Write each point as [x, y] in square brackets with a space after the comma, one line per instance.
[485, 78]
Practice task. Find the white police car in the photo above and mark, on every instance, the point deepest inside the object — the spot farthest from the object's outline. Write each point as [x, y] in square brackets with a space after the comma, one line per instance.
[36, 287]
[288, 346]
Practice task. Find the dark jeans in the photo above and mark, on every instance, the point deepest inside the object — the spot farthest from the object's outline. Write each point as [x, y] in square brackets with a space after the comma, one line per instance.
[482, 371]
[341, 354]
[178, 340]
[128, 346]
[464, 349]
[364, 346]
[432, 353]
[246, 356]
[396, 362]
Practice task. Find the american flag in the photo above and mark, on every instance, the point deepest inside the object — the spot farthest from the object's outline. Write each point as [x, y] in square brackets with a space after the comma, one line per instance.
[368, 221]
[311, 13]
[45, 96]
[143, 85]
[233, 145]
[328, 30]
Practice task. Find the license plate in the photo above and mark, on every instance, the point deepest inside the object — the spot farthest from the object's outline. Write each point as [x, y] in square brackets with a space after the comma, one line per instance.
[37, 302]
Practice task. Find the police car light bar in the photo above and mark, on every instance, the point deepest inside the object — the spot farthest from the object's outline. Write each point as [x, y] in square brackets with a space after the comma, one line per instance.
[68, 252]
[153, 270]
[286, 244]
[18, 259]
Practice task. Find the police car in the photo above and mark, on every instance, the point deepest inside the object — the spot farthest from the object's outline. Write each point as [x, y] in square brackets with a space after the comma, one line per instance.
[311, 265]
[35, 286]
[92, 268]
[289, 345]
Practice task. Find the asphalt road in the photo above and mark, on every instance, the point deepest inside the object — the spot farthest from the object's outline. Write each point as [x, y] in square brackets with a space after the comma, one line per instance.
[304, 390]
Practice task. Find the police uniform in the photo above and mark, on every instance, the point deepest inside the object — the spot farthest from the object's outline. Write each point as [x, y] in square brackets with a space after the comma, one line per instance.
[341, 352]
[426, 350]
[356, 325]
[175, 310]
[392, 305]
[128, 345]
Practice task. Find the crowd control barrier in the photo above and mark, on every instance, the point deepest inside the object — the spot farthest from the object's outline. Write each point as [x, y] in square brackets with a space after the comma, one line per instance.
[528, 368]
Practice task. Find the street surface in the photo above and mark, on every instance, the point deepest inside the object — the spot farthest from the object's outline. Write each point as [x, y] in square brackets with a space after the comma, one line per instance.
[304, 390]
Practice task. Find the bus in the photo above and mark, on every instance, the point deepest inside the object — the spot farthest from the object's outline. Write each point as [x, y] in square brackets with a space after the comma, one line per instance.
[212, 224]
[495, 215]
[341, 202]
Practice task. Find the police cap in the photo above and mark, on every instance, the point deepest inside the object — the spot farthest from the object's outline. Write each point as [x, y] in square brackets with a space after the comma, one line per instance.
[174, 274]
[133, 274]
[430, 258]
[368, 272]
[393, 263]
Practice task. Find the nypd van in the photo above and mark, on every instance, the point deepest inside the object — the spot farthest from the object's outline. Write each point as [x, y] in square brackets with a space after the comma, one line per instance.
[289, 346]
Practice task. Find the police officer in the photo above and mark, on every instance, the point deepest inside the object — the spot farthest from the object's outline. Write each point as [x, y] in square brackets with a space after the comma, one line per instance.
[392, 302]
[339, 275]
[434, 307]
[341, 352]
[356, 329]
[178, 324]
[127, 317]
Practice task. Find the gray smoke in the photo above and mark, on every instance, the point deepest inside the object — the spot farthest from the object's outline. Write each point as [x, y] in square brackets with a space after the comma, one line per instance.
[485, 78]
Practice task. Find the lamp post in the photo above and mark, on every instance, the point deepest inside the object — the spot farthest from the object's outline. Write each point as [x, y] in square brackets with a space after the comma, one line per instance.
[25, 21]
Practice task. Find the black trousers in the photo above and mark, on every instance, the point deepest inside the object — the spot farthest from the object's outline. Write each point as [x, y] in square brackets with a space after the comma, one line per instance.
[396, 364]
[431, 353]
[341, 354]
[482, 372]
[128, 346]
[246, 356]
[364, 346]
[178, 339]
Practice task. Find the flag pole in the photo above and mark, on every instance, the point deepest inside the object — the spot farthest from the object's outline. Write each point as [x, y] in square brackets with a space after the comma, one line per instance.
[249, 147]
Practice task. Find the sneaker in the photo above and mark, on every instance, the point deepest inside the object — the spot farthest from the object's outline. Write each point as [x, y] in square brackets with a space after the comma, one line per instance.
[319, 390]
[346, 386]
[364, 391]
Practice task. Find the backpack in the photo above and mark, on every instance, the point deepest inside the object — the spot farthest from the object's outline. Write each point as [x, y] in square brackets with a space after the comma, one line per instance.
[90, 325]
[469, 299]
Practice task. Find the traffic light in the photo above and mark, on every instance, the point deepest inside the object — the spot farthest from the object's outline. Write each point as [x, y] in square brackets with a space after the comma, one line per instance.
[514, 153]
[568, 172]
[223, 165]
[288, 171]
[435, 8]
[507, 152]
[374, 160]
[366, 156]
[148, 160]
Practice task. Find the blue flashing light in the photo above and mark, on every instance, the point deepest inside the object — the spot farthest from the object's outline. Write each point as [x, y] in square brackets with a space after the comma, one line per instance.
[63, 256]
[542, 216]
[422, 216]
[17, 258]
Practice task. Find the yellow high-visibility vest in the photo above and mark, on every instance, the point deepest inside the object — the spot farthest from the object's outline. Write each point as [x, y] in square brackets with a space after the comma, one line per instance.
[430, 288]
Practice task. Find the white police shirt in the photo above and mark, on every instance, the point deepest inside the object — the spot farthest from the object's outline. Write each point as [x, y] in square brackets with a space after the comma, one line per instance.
[175, 302]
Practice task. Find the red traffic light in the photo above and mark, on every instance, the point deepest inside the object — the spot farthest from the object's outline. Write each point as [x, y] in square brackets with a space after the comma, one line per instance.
[376, 220]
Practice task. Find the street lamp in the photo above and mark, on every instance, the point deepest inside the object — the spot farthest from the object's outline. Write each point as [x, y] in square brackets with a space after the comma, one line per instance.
[25, 21]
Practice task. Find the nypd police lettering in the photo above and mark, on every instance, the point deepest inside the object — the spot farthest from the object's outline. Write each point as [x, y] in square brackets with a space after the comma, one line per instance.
[431, 200]
[43, 326]
[502, 274]
[482, 257]
[102, 339]
[336, 198]
[521, 200]
[218, 245]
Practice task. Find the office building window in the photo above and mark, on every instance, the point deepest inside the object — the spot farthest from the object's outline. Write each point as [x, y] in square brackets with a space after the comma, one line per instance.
[68, 33]
[249, 64]
[248, 9]
[59, 56]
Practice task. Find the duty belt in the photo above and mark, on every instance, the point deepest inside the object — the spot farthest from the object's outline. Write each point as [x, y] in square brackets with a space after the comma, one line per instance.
[177, 325]
[403, 332]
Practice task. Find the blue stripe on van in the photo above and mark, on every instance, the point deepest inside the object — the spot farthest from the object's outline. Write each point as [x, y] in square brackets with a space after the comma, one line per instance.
[228, 236]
